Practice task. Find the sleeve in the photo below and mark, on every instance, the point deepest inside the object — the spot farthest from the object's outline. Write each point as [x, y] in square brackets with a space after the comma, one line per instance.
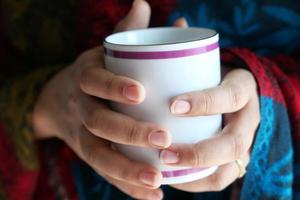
[273, 171]
[19, 166]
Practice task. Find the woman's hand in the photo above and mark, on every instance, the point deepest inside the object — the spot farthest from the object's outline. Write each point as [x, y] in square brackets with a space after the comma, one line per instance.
[238, 100]
[73, 107]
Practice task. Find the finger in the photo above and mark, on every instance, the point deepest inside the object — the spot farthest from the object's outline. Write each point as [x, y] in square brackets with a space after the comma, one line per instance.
[137, 18]
[101, 83]
[223, 177]
[106, 160]
[236, 139]
[232, 95]
[181, 23]
[93, 56]
[136, 192]
[119, 128]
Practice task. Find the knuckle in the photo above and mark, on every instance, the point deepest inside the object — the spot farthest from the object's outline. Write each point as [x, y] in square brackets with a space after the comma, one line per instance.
[72, 100]
[239, 147]
[204, 104]
[84, 54]
[89, 154]
[125, 174]
[217, 183]
[89, 54]
[84, 80]
[132, 132]
[135, 193]
[92, 121]
[196, 160]
[257, 119]
[249, 76]
[237, 96]
[112, 86]
[109, 83]
[72, 139]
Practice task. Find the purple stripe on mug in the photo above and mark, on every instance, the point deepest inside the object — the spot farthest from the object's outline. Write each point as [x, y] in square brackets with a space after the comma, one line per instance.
[182, 172]
[161, 54]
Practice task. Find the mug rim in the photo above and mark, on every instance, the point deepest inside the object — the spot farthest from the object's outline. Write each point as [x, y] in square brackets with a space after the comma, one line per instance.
[106, 42]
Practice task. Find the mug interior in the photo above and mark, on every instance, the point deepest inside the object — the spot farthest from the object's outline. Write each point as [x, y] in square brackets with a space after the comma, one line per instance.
[159, 36]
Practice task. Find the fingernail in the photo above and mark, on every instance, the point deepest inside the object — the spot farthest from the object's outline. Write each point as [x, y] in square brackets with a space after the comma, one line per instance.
[180, 107]
[148, 178]
[131, 93]
[158, 138]
[169, 157]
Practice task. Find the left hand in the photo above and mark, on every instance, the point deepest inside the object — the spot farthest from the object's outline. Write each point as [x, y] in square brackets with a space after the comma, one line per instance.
[236, 97]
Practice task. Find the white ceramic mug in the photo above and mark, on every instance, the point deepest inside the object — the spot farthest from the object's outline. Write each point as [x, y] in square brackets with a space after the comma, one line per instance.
[168, 62]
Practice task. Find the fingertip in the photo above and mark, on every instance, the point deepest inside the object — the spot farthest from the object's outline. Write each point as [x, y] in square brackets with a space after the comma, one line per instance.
[142, 5]
[137, 18]
[155, 195]
[160, 194]
[181, 22]
[142, 92]
[159, 179]
[141, 10]
[169, 139]
[151, 179]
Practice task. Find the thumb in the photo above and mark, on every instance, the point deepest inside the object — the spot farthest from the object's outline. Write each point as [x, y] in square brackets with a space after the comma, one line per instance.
[137, 18]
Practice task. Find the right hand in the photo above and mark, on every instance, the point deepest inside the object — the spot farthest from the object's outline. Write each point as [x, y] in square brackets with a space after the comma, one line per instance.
[73, 107]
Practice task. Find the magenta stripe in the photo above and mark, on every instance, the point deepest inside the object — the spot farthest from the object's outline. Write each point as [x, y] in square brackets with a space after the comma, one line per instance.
[161, 54]
[182, 172]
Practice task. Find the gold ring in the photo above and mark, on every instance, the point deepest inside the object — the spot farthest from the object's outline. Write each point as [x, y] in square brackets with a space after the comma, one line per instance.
[242, 168]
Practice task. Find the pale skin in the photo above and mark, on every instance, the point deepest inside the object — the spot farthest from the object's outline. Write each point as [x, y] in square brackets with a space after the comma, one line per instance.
[73, 107]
